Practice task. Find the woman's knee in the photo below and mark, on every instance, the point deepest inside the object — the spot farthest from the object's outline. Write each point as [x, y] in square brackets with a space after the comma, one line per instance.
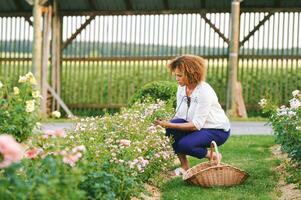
[184, 147]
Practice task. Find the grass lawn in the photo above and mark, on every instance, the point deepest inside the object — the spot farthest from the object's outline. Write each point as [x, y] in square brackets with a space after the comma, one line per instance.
[250, 153]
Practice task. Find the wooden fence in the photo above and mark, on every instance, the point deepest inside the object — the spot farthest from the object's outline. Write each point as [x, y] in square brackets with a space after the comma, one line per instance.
[105, 59]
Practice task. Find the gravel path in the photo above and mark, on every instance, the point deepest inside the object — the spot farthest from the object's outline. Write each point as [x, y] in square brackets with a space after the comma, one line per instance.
[237, 128]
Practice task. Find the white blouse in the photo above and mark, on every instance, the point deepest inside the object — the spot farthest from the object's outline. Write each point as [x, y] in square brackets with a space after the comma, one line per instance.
[204, 111]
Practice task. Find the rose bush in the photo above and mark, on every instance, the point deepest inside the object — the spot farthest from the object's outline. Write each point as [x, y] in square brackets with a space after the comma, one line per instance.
[18, 107]
[286, 123]
[109, 157]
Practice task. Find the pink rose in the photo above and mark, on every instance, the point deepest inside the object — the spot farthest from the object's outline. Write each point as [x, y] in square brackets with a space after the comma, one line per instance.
[33, 153]
[10, 149]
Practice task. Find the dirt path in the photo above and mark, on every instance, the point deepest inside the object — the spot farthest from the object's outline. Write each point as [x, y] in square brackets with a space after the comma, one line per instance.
[289, 191]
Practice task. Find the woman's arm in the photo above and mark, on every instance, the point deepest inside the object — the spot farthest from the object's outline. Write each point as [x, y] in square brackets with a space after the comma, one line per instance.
[189, 126]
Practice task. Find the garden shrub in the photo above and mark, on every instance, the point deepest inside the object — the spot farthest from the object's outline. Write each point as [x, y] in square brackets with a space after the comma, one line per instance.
[109, 157]
[48, 178]
[18, 107]
[163, 90]
[286, 123]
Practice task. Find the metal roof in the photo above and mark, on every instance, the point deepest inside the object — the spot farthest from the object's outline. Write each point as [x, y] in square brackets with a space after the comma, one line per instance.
[111, 7]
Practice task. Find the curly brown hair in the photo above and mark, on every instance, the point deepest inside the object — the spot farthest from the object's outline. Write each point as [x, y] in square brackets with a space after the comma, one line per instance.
[193, 67]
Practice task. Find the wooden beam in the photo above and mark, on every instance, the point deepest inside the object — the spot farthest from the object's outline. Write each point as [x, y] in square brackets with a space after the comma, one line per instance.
[92, 4]
[60, 101]
[150, 12]
[233, 60]
[256, 28]
[37, 42]
[154, 58]
[45, 57]
[166, 4]
[17, 5]
[128, 4]
[82, 27]
[28, 20]
[203, 3]
[208, 21]
[56, 56]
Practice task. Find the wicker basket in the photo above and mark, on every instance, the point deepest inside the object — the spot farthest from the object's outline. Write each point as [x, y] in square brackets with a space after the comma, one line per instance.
[210, 174]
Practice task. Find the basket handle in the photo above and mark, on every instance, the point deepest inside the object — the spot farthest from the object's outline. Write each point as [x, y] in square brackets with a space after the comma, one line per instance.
[214, 145]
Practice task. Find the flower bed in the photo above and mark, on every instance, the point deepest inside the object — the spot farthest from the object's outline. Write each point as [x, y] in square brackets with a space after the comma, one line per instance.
[108, 157]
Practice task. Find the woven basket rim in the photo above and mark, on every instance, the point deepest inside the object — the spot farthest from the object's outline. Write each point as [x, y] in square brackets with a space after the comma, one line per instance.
[187, 176]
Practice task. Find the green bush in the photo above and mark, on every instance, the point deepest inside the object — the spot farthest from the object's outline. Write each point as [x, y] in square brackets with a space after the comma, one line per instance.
[48, 178]
[286, 123]
[18, 107]
[163, 90]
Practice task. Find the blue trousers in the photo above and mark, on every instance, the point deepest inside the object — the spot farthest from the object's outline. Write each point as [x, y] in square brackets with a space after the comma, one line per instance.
[195, 143]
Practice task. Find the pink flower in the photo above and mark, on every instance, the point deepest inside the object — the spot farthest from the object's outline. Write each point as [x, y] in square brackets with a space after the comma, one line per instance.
[80, 148]
[70, 159]
[33, 153]
[60, 133]
[11, 150]
[125, 143]
[54, 133]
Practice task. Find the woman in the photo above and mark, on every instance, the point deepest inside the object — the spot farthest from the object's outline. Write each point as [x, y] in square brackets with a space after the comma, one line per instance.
[199, 118]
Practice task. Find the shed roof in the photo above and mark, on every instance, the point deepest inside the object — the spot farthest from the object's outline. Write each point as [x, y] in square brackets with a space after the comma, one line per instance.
[111, 7]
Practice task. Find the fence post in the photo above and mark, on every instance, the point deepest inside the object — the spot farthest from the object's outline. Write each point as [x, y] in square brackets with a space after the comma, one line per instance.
[37, 46]
[56, 53]
[233, 59]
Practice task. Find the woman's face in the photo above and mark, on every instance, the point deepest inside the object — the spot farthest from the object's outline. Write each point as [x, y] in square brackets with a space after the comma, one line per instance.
[181, 79]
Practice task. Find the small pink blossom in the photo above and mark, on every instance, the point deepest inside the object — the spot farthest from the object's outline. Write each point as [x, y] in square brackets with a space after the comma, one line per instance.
[124, 142]
[70, 160]
[54, 133]
[10, 149]
[32, 153]
[80, 148]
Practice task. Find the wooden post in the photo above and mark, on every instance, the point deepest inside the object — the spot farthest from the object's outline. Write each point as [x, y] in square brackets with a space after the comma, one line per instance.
[46, 47]
[37, 43]
[56, 53]
[233, 59]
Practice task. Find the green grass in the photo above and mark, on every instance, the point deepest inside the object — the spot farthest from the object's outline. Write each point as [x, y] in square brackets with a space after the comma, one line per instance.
[250, 153]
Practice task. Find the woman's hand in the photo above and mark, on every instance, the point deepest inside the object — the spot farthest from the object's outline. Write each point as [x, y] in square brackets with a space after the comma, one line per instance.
[162, 123]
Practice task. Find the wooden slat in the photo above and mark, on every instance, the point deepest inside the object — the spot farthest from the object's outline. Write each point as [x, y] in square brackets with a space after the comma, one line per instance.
[251, 33]
[78, 31]
[60, 101]
[208, 21]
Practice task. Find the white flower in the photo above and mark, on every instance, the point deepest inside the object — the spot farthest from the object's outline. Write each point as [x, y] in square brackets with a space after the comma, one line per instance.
[56, 114]
[262, 102]
[31, 78]
[22, 79]
[295, 93]
[36, 94]
[16, 91]
[1, 84]
[30, 106]
[291, 113]
[295, 103]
